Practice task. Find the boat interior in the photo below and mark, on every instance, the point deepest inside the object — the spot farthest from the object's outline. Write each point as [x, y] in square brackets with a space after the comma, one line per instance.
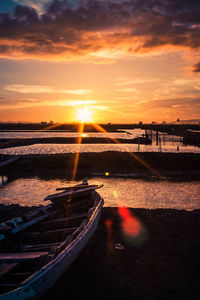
[25, 252]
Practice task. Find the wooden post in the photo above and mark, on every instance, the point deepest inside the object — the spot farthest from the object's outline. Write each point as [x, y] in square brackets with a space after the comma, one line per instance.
[156, 138]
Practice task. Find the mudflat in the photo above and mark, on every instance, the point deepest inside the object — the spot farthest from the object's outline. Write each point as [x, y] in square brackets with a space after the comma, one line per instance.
[121, 164]
[158, 261]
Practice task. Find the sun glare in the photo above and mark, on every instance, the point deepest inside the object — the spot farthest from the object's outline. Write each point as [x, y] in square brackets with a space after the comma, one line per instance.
[84, 115]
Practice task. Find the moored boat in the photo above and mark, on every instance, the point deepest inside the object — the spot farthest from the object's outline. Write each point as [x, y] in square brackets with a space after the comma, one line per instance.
[38, 247]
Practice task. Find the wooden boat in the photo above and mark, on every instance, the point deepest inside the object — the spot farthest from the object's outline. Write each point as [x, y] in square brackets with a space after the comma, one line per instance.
[72, 192]
[38, 247]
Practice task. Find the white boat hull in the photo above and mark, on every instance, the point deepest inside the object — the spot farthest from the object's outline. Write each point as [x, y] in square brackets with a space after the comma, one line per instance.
[38, 284]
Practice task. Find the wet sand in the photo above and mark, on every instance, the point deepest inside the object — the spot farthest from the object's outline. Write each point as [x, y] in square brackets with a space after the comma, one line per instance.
[162, 262]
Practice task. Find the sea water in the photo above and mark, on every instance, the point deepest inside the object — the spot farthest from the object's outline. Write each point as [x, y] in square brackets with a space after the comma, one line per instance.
[167, 143]
[135, 193]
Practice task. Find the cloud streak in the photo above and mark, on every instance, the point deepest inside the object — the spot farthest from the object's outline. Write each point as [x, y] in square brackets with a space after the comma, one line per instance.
[38, 5]
[26, 89]
[197, 67]
[66, 32]
[32, 89]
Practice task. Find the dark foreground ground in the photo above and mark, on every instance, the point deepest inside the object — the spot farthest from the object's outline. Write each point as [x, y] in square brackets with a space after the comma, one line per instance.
[136, 254]
[162, 262]
[123, 164]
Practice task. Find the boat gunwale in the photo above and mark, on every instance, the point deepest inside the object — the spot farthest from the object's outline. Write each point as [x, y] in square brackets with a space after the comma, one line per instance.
[27, 284]
[71, 244]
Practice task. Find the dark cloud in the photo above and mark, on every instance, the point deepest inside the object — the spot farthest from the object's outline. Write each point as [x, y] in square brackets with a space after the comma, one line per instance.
[172, 103]
[197, 67]
[91, 25]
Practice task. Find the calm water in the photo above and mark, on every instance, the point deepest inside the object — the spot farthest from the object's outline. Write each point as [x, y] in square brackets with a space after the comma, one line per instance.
[166, 143]
[73, 148]
[50, 134]
[116, 192]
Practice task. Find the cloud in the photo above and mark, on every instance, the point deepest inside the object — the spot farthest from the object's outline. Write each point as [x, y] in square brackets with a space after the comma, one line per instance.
[98, 28]
[77, 92]
[8, 103]
[191, 103]
[38, 5]
[197, 67]
[168, 108]
[31, 89]
[128, 90]
[78, 102]
[14, 103]
[20, 88]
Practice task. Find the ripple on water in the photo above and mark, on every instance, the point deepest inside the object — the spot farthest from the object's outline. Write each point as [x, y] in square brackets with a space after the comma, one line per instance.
[136, 193]
[73, 148]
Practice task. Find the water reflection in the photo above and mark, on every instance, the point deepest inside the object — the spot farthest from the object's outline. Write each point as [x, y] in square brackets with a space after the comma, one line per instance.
[130, 192]
[161, 142]
[50, 134]
[3, 180]
[74, 148]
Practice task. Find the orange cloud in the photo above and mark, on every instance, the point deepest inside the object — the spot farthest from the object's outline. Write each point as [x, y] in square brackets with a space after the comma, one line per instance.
[96, 29]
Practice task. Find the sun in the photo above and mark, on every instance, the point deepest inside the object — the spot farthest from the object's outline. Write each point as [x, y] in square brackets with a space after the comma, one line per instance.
[84, 115]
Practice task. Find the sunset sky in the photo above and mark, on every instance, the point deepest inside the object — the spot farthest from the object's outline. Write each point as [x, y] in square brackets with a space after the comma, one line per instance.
[124, 60]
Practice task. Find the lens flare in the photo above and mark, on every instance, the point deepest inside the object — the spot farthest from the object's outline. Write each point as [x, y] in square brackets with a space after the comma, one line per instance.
[81, 129]
[131, 226]
[133, 155]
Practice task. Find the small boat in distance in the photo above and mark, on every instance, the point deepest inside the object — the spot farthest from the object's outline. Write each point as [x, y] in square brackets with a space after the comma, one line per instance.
[38, 247]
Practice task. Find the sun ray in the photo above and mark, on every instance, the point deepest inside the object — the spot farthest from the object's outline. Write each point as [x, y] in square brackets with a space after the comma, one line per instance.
[51, 126]
[81, 129]
[145, 164]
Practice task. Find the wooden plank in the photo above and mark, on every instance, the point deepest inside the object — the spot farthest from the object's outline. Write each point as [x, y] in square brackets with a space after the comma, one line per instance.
[24, 274]
[5, 268]
[76, 216]
[39, 247]
[39, 233]
[21, 256]
[14, 285]
[72, 193]
[75, 187]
